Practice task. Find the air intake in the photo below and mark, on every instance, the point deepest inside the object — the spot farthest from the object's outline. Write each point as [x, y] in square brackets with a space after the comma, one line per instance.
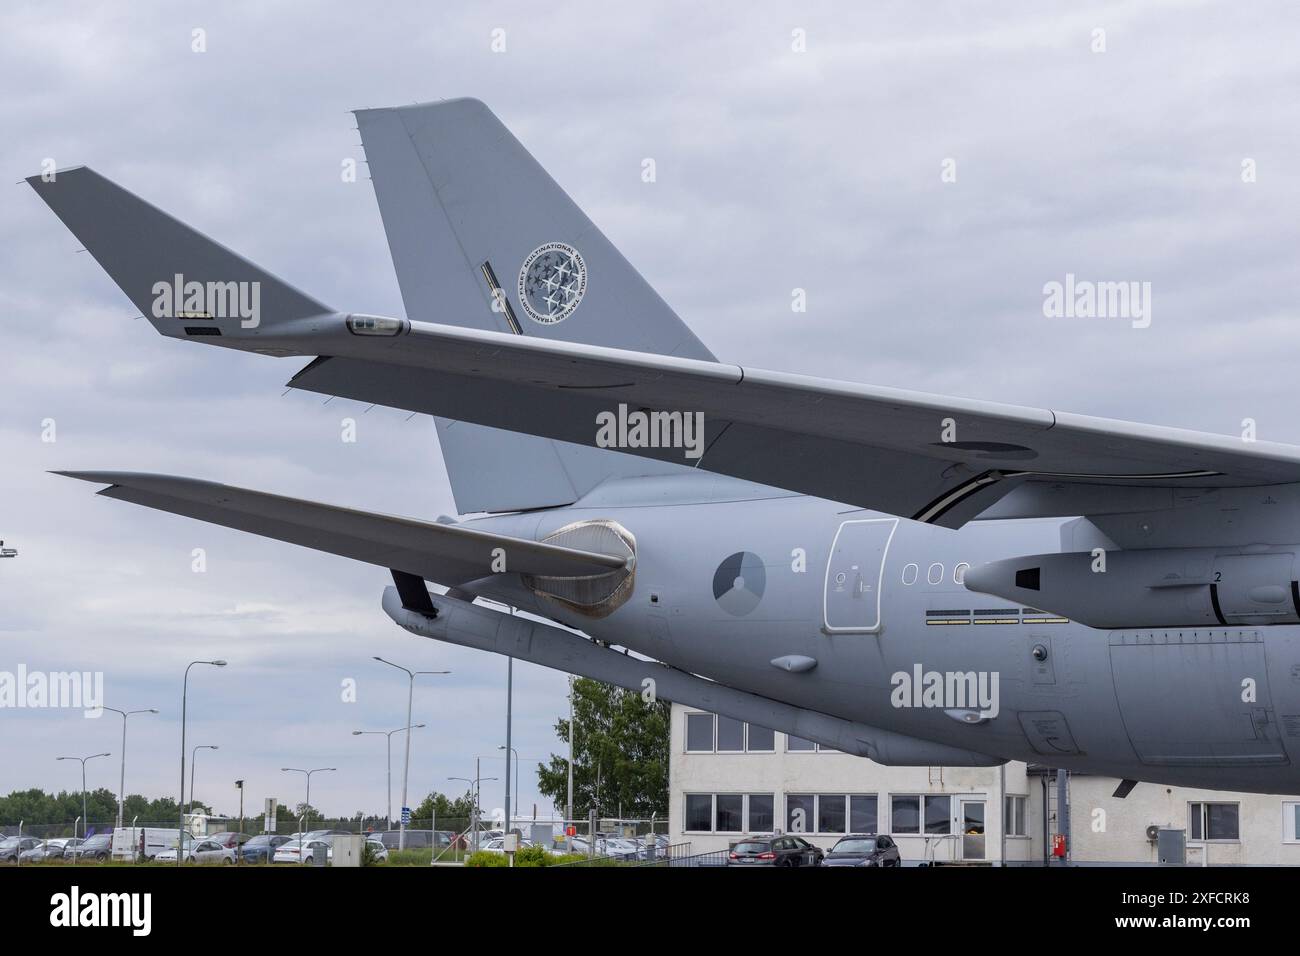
[596, 595]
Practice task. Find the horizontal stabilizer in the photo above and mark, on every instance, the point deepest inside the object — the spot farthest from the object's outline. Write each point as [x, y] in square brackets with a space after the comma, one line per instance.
[446, 553]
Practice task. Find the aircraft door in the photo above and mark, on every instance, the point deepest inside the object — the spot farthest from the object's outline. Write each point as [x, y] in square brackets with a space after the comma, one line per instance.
[854, 575]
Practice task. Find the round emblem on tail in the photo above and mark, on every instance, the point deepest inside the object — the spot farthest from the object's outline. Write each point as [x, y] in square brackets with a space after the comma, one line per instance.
[552, 281]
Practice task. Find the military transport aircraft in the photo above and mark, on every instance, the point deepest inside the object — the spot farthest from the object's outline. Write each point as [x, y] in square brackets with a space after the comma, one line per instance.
[913, 578]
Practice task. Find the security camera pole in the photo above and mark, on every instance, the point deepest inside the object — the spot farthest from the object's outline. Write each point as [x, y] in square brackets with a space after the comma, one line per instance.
[406, 766]
[121, 786]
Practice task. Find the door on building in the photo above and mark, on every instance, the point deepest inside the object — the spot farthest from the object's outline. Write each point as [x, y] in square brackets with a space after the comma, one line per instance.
[854, 574]
[972, 830]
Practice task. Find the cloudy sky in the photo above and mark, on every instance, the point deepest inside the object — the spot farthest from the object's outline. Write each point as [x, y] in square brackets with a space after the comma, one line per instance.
[777, 169]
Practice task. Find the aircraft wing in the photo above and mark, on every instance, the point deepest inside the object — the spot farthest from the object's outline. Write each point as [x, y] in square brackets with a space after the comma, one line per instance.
[932, 458]
[447, 553]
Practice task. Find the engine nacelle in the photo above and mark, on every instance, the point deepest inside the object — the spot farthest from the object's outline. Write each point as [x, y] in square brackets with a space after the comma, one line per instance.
[1166, 587]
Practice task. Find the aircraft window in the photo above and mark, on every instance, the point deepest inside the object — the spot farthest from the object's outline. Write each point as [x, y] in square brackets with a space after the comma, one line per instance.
[959, 573]
[935, 574]
[910, 574]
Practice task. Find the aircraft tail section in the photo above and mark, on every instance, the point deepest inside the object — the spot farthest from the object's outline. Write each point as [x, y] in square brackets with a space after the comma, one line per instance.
[482, 237]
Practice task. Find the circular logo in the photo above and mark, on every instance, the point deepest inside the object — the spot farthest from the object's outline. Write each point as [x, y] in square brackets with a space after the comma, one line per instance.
[552, 281]
[739, 582]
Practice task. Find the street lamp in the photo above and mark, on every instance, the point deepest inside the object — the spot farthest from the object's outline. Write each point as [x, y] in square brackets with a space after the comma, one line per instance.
[516, 753]
[121, 787]
[406, 765]
[475, 787]
[389, 734]
[302, 854]
[194, 763]
[84, 818]
[185, 686]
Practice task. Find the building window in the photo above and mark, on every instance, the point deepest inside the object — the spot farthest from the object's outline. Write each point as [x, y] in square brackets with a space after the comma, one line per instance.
[910, 572]
[864, 814]
[831, 813]
[799, 816]
[1213, 821]
[798, 745]
[762, 816]
[761, 740]
[699, 733]
[938, 815]
[1290, 822]
[699, 812]
[730, 808]
[731, 735]
[1013, 817]
[905, 814]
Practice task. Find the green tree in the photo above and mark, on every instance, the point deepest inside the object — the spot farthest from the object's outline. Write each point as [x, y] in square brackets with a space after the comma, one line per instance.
[461, 808]
[620, 756]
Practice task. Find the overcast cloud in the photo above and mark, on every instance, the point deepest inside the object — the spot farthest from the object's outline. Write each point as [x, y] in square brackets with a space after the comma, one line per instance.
[775, 170]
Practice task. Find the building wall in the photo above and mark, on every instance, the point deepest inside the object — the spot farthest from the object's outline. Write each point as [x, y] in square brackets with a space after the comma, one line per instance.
[1104, 829]
[783, 772]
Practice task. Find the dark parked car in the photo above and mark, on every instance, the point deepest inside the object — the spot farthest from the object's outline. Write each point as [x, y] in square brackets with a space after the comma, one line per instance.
[415, 839]
[864, 849]
[97, 847]
[10, 847]
[785, 850]
[230, 839]
[258, 849]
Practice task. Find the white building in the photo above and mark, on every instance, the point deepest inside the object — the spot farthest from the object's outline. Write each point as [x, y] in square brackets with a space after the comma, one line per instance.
[727, 779]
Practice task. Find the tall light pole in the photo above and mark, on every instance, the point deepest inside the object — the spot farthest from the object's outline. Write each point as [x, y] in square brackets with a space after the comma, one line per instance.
[572, 733]
[185, 686]
[510, 687]
[474, 788]
[121, 786]
[389, 734]
[84, 819]
[516, 753]
[194, 765]
[406, 766]
[307, 804]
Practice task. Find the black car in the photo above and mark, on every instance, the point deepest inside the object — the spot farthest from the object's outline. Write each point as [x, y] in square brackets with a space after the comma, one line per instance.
[864, 849]
[260, 848]
[97, 847]
[785, 850]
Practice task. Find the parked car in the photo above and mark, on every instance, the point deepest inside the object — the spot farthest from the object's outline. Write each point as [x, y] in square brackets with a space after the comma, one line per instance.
[45, 850]
[864, 849]
[302, 851]
[415, 839]
[381, 851]
[11, 847]
[230, 839]
[260, 848]
[206, 850]
[788, 850]
[97, 847]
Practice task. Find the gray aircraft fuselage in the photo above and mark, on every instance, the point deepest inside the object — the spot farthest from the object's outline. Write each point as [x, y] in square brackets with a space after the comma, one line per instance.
[1188, 706]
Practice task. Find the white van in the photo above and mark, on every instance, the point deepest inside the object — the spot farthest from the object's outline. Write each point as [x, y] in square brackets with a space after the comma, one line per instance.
[126, 841]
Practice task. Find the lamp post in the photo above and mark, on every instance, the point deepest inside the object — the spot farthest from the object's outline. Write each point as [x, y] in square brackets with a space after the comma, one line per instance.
[84, 818]
[194, 765]
[185, 686]
[121, 786]
[302, 850]
[406, 765]
[389, 734]
[516, 753]
[475, 786]
[569, 810]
